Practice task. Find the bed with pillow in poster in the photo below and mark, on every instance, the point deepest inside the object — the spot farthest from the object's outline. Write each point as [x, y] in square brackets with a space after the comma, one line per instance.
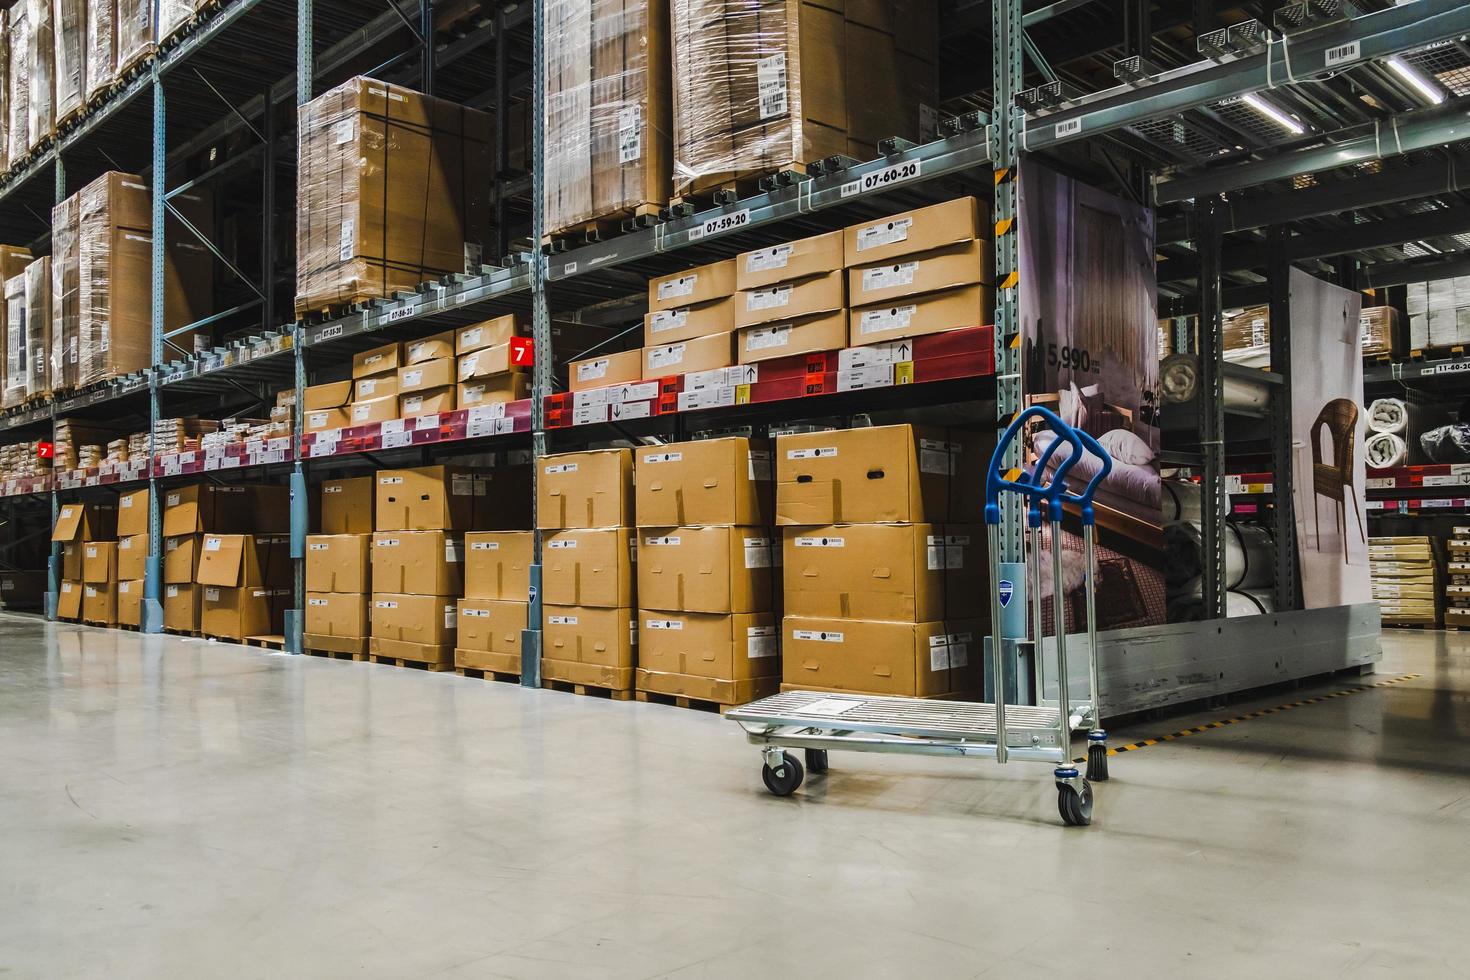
[1128, 499]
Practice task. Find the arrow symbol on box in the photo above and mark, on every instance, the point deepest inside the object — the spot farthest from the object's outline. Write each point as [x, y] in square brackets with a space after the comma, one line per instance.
[903, 350]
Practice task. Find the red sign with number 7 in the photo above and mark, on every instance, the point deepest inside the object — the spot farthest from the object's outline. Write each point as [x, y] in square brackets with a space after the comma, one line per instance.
[522, 351]
[44, 450]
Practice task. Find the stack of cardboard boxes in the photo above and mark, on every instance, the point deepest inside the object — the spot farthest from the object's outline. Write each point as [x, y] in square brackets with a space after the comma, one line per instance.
[881, 593]
[1457, 575]
[1405, 579]
[708, 582]
[339, 569]
[80, 527]
[1378, 330]
[417, 577]
[226, 559]
[792, 299]
[132, 556]
[584, 503]
[14, 332]
[690, 322]
[496, 604]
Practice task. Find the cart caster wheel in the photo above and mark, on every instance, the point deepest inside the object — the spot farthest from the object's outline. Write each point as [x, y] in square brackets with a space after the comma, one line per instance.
[1075, 807]
[816, 761]
[785, 778]
[1097, 762]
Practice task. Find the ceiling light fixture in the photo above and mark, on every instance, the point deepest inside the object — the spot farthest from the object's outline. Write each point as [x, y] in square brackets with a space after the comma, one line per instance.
[1431, 92]
[1274, 114]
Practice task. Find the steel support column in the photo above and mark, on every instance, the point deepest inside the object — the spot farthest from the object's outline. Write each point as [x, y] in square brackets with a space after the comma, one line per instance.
[53, 564]
[300, 502]
[268, 219]
[1007, 120]
[152, 611]
[426, 35]
[541, 339]
[1213, 501]
[1287, 591]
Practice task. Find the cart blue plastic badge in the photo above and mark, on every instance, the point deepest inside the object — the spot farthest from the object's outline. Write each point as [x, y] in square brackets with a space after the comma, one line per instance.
[1006, 591]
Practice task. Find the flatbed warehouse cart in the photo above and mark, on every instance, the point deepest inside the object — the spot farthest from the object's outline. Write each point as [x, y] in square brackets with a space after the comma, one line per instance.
[821, 721]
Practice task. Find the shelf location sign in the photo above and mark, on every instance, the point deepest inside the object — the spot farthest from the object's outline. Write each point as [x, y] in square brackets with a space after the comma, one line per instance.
[45, 450]
[523, 351]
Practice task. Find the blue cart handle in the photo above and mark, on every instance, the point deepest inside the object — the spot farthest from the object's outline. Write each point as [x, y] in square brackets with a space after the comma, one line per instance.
[1084, 499]
[1028, 485]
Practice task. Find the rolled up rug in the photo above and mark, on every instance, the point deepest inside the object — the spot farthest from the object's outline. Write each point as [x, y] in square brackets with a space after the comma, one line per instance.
[1388, 415]
[1386, 450]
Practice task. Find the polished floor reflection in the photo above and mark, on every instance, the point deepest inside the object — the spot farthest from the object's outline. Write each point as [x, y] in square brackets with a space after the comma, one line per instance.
[175, 808]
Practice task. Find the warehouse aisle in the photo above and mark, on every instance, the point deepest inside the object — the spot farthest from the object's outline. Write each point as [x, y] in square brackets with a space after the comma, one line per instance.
[176, 808]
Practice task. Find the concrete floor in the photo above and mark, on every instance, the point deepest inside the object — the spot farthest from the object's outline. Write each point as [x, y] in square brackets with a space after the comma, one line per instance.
[174, 808]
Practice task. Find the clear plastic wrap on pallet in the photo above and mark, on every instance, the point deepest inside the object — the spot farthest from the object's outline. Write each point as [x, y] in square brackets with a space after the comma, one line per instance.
[41, 50]
[70, 56]
[608, 114]
[768, 85]
[101, 46]
[391, 192]
[38, 327]
[13, 384]
[4, 90]
[133, 20]
[1377, 326]
[65, 294]
[18, 84]
[172, 15]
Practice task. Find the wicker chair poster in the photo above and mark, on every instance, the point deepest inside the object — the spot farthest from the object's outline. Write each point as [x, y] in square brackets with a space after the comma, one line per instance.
[1334, 480]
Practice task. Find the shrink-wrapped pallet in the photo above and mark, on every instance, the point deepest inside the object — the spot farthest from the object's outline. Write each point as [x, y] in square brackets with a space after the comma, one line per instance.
[101, 46]
[17, 130]
[38, 327]
[1378, 327]
[392, 191]
[4, 91]
[608, 112]
[13, 384]
[173, 15]
[133, 21]
[70, 56]
[41, 52]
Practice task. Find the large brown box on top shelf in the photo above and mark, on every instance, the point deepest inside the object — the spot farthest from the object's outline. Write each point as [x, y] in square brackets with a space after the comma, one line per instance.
[608, 112]
[391, 192]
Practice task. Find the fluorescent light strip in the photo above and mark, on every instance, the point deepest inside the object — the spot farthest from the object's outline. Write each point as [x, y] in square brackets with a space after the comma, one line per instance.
[1274, 114]
[1431, 92]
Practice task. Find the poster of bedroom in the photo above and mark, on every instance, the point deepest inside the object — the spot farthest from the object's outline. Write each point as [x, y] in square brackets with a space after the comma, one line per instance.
[1091, 354]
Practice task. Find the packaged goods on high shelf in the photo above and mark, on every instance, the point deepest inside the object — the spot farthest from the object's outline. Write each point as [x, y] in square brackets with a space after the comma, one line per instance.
[1405, 575]
[1439, 313]
[23, 461]
[26, 316]
[1379, 331]
[1246, 336]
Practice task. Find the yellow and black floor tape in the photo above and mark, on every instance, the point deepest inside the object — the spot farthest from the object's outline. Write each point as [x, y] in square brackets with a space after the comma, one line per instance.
[1210, 726]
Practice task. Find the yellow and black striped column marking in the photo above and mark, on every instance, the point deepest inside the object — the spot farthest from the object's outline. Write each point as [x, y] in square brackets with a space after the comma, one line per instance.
[1210, 726]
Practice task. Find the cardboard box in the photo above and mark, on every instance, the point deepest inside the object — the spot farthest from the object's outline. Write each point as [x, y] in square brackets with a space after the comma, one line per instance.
[270, 509]
[498, 390]
[725, 693]
[336, 614]
[71, 561]
[883, 474]
[431, 401]
[592, 567]
[489, 332]
[85, 522]
[698, 285]
[689, 322]
[428, 620]
[497, 564]
[491, 626]
[181, 558]
[491, 361]
[236, 613]
[378, 386]
[605, 369]
[720, 646]
[429, 498]
[69, 600]
[130, 603]
[375, 410]
[873, 657]
[706, 481]
[181, 606]
[132, 513]
[207, 507]
[689, 356]
[806, 257]
[920, 230]
[239, 560]
[594, 637]
[917, 316]
[824, 332]
[347, 506]
[967, 264]
[99, 603]
[588, 489]
[325, 419]
[789, 300]
[438, 655]
[99, 562]
[418, 563]
[23, 590]
[426, 376]
[437, 347]
[334, 394]
[708, 569]
[379, 360]
[132, 556]
[866, 571]
[338, 563]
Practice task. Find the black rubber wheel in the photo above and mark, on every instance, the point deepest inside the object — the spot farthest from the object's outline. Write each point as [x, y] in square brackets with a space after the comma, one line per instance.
[1075, 807]
[816, 761]
[784, 779]
[1097, 763]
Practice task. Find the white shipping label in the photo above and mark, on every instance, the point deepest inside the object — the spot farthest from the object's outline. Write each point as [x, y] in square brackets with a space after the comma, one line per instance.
[318, 546]
[411, 378]
[886, 233]
[959, 649]
[475, 613]
[171, 544]
[453, 551]
[668, 319]
[484, 545]
[389, 481]
[663, 357]
[562, 620]
[680, 286]
[65, 586]
[761, 641]
[560, 543]
[345, 131]
[822, 636]
[470, 337]
[888, 276]
[892, 318]
[824, 452]
[758, 464]
[766, 259]
[820, 542]
[92, 550]
[126, 544]
[663, 457]
[211, 594]
[770, 79]
[91, 592]
[318, 602]
[936, 461]
[556, 468]
[126, 502]
[212, 544]
[764, 338]
[450, 615]
[938, 653]
[671, 540]
[462, 485]
[172, 592]
[630, 134]
[346, 245]
[592, 370]
[757, 552]
[121, 586]
[664, 624]
[172, 501]
[767, 299]
[386, 543]
[317, 419]
[386, 604]
[633, 410]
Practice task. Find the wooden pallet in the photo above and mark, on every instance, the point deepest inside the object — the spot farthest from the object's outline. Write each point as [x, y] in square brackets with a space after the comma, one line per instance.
[728, 191]
[129, 627]
[174, 632]
[98, 622]
[267, 642]
[679, 701]
[602, 227]
[414, 664]
[586, 689]
[338, 655]
[488, 675]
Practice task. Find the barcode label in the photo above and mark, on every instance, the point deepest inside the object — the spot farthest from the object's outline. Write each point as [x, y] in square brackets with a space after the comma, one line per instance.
[770, 74]
[1343, 53]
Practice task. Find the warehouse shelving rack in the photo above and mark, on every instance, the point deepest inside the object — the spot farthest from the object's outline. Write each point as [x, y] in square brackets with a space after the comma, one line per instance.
[1174, 128]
